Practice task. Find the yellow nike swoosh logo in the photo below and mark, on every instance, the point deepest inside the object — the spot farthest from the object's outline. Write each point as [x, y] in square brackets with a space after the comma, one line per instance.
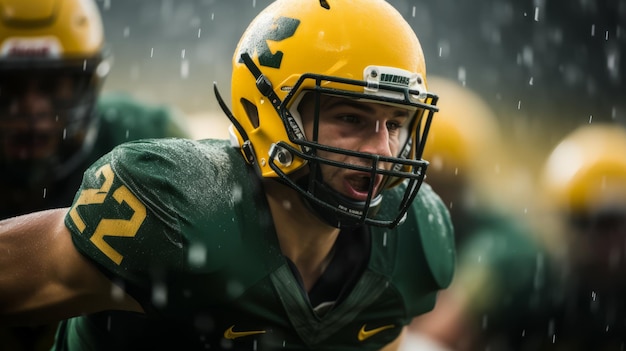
[365, 334]
[231, 334]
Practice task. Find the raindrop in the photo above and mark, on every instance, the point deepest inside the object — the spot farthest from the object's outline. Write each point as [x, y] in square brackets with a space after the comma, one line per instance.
[184, 69]
[64, 133]
[590, 118]
[593, 30]
[530, 82]
[253, 3]
[456, 171]
[199, 32]
[182, 54]
[385, 239]
[126, 32]
[612, 61]
[212, 16]
[109, 323]
[197, 255]
[606, 35]
[236, 193]
[536, 14]
[287, 204]
[413, 13]
[151, 52]
[523, 333]
[117, 292]
[444, 49]
[377, 125]
[127, 133]
[84, 65]
[519, 104]
[44, 192]
[593, 296]
[107, 4]
[461, 74]
[159, 295]
[480, 258]
[527, 56]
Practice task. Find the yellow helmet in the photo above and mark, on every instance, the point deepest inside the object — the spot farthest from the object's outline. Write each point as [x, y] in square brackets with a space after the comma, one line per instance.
[54, 47]
[465, 127]
[463, 146]
[586, 171]
[360, 49]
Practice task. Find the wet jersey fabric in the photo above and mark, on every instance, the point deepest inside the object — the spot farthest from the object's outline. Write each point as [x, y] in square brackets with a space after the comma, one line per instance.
[184, 227]
[121, 118]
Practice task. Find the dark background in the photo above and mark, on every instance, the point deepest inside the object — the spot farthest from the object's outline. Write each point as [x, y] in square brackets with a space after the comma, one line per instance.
[545, 67]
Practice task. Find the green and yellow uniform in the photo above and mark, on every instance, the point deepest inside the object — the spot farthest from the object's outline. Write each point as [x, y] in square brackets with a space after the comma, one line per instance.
[183, 226]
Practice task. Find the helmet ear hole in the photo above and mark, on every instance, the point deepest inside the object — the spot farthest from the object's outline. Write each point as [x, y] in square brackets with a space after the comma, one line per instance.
[251, 111]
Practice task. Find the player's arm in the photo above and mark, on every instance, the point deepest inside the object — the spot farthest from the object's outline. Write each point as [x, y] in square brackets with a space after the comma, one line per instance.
[44, 278]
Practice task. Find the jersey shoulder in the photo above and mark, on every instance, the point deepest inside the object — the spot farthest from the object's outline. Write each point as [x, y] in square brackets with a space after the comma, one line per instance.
[147, 203]
[425, 240]
[436, 232]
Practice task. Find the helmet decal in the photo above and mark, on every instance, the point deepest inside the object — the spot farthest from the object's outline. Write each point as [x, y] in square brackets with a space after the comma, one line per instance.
[275, 30]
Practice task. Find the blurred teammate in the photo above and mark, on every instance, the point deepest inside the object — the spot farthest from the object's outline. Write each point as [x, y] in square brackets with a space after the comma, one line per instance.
[584, 196]
[499, 267]
[53, 121]
[309, 230]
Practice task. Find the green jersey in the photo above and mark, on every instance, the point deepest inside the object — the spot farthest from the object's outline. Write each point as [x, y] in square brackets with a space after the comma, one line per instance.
[183, 226]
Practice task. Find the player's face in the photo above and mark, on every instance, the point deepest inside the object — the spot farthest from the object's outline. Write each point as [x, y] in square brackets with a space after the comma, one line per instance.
[31, 121]
[364, 127]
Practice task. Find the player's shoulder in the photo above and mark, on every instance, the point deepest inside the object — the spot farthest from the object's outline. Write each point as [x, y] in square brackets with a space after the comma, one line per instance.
[429, 217]
[173, 159]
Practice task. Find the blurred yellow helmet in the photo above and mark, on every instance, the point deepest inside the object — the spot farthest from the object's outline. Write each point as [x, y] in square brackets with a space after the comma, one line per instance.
[358, 49]
[586, 171]
[50, 29]
[54, 48]
[465, 130]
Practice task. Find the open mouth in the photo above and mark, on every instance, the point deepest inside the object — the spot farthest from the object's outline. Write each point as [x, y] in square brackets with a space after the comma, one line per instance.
[358, 185]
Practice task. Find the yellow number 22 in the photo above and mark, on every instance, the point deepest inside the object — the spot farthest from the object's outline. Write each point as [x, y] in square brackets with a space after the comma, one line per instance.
[109, 227]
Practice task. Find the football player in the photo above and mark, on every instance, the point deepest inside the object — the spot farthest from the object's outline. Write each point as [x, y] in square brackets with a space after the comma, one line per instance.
[309, 229]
